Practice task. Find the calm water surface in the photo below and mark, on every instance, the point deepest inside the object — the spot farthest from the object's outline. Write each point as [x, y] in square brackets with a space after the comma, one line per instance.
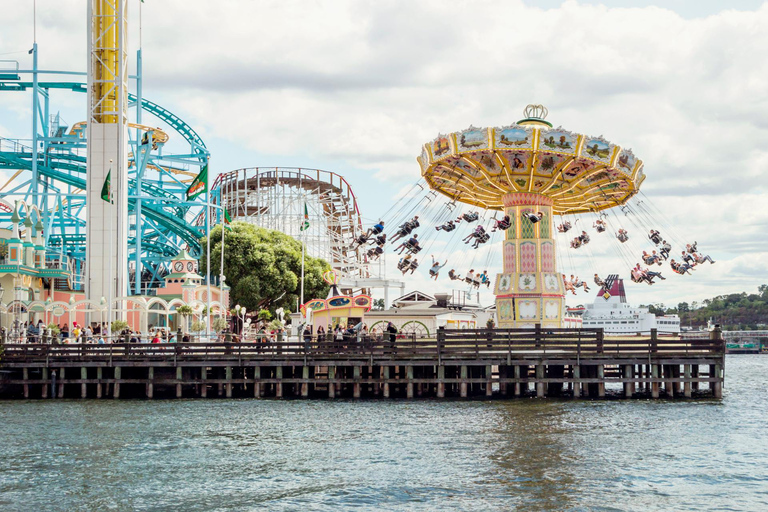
[383, 455]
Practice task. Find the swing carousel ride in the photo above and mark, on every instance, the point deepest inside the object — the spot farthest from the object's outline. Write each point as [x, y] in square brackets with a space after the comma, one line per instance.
[525, 174]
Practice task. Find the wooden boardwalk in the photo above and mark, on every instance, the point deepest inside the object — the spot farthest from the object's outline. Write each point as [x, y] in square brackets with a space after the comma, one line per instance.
[458, 363]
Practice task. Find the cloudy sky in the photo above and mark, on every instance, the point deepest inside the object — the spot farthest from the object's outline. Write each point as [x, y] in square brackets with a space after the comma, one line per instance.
[358, 86]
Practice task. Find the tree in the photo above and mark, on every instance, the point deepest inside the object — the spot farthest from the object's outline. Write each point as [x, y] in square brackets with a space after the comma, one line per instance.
[184, 311]
[264, 315]
[378, 304]
[683, 307]
[263, 267]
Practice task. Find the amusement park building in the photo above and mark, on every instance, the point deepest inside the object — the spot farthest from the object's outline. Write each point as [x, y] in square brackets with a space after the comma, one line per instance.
[36, 285]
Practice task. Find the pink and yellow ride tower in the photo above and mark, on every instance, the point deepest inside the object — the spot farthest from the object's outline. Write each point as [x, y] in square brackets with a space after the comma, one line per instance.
[531, 167]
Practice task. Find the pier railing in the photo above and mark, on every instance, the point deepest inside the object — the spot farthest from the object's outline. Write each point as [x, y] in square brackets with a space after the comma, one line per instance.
[449, 345]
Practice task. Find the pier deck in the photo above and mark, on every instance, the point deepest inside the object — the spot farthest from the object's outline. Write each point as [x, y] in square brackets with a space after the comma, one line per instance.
[458, 363]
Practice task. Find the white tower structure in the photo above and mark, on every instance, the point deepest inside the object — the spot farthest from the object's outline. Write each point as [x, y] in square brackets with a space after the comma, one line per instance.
[107, 222]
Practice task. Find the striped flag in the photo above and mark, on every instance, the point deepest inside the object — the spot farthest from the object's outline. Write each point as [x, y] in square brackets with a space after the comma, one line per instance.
[227, 220]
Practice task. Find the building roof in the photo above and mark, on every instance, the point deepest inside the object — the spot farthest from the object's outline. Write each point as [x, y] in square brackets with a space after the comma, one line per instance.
[417, 310]
[414, 296]
[183, 255]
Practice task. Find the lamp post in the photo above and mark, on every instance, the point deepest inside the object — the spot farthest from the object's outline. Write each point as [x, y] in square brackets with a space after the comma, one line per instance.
[2, 291]
[240, 313]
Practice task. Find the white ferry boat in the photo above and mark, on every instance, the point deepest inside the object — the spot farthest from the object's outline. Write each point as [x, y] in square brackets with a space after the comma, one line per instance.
[612, 312]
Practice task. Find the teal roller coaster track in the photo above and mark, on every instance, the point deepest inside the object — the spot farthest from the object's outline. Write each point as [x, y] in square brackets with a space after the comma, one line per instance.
[49, 171]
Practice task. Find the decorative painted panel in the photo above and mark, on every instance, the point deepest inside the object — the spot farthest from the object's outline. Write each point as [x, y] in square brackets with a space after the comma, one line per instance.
[504, 284]
[561, 141]
[527, 228]
[513, 224]
[528, 257]
[527, 309]
[528, 283]
[545, 225]
[505, 310]
[513, 137]
[553, 283]
[598, 149]
[552, 309]
[472, 139]
[547, 256]
[509, 256]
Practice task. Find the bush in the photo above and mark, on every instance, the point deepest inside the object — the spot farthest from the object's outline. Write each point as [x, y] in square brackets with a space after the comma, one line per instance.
[184, 310]
[197, 326]
[218, 324]
[264, 315]
[53, 329]
[119, 326]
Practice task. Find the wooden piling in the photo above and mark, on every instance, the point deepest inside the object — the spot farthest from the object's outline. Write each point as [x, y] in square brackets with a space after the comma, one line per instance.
[151, 382]
[409, 381]
[62, 375]
[116, 385]
[629, 387]
[44, 393]
[356, 385]
[83, 385]
[655, 384]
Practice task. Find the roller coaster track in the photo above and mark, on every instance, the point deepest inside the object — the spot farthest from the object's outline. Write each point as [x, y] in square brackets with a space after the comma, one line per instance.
[23, 160]
[263, 195]
[64, 167]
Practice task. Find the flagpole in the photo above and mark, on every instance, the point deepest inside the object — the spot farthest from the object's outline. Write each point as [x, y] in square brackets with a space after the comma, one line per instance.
[301, 239]
[221, 266]
[208, 253]
[111, 252]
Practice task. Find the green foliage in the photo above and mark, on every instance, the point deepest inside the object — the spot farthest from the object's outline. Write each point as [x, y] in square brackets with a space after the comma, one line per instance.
[275, 325]
[734, 311]
[264, 315]
[119, 326]
[53, 329]
[378, 305]
[197, 326]
[263, 267]
[218, 324]
[184, 310]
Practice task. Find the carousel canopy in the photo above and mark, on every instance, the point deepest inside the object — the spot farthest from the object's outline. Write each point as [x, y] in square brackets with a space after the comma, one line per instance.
[579, 173]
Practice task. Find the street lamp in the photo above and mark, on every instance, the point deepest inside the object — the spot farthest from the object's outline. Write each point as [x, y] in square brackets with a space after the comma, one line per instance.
[2, 291]
[240, 313]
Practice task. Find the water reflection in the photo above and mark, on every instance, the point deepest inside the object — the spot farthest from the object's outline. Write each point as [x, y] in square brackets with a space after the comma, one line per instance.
[391, 455]
[532, 457]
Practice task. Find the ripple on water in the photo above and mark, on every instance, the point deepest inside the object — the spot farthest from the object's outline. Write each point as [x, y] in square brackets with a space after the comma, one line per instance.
[391, 455]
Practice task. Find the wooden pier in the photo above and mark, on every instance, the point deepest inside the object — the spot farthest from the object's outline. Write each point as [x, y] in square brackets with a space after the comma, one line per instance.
[504, 363]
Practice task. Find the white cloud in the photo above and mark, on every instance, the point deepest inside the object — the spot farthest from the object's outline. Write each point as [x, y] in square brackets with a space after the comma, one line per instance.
[366, 83]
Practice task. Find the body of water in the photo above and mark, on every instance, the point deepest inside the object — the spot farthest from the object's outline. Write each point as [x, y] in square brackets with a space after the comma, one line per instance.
[526, 454]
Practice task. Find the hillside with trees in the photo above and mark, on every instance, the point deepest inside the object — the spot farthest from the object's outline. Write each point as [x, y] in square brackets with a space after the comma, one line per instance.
[734, 311]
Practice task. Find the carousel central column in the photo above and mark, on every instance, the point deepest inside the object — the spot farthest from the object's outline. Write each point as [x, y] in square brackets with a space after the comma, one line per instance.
[530, 290]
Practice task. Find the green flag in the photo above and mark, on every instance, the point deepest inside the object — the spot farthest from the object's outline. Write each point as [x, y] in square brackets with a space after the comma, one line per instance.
[306, 219]
[227, 220]
[199, 184]
[106, 189]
